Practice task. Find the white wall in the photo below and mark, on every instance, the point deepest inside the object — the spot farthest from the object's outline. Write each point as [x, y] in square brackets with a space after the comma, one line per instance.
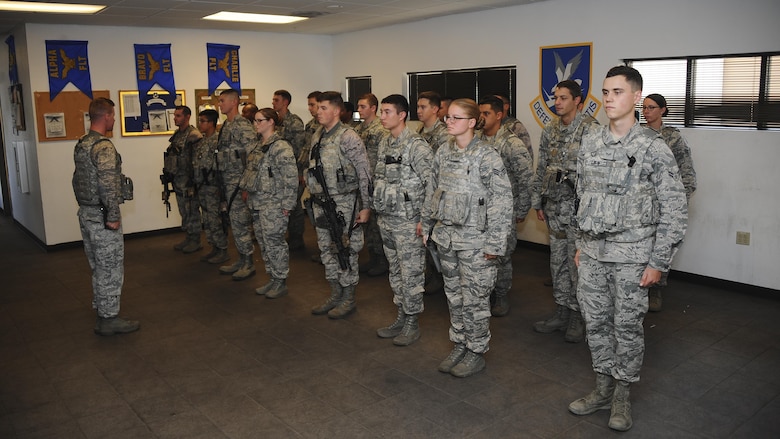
[736, 168]
[266, 65]
[737, 187]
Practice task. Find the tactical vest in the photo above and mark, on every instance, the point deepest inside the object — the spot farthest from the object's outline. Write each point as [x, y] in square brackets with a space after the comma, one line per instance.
[259, 174]
[204, 162]
[85, 176]
[614, 196]
[340, 175]
[398, 190]
[230, 158]
[560, 175]
[461, 198]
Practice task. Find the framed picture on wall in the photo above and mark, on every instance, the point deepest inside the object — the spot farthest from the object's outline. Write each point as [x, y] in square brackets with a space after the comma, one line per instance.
[17, 107]
[151, 116]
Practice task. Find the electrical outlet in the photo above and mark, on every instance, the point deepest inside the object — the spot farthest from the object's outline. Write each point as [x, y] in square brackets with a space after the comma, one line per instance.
[743, 238]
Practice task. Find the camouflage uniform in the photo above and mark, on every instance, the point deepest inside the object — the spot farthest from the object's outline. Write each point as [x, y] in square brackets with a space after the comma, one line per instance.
[517, 127]
[293, 131]
[436, 136]
[234, 139]
[178, 161]
[402, 185]
[632, 214]
[343, 156]
[553, 192]
[97, 186]
[682, 155]
[303, 158]
[472, 210]
[271, 179]
[208, 190]
[519, 167]
[372, 134]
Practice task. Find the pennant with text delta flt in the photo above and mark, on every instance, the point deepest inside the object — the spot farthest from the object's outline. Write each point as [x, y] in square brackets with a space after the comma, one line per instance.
[223, 66]
[67, 62]
[13, 72]
[153, 66]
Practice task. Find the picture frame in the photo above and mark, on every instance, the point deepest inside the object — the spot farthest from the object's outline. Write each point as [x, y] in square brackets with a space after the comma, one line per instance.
[151, 117]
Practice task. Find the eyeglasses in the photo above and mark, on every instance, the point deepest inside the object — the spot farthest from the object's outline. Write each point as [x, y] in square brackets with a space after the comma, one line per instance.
[260, 120]
[451, 118]
[650, 107]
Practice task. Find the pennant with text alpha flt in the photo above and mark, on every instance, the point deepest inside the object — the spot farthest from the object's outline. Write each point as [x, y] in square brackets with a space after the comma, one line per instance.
[153, 66]
[67, 62]
[13, 72]
[223, 66]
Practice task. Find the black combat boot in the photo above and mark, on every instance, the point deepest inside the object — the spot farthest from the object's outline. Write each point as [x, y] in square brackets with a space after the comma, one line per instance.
[575, 332]
[557, 322]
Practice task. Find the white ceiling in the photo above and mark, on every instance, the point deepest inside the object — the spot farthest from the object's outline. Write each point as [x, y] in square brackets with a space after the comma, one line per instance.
[329, 16]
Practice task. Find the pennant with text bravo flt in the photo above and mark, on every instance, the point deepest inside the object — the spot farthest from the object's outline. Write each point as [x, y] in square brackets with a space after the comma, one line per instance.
[223, 66]
[559, 63]
[67, 62]
[13, 72]
[153, 66]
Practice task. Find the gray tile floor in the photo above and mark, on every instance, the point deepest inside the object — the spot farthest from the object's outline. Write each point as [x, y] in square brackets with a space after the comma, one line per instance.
[213, 360]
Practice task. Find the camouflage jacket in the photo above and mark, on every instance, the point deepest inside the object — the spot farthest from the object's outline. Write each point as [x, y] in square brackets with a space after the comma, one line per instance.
[98, 173]
[293, 131]
[235, 137]
[204, 166]
[632, 203]
[271, 177]
[556, 171]
[372, 134]
[518, 164]
[471, 205]
[682, 154]
[436, 136]
[517, 127]
[178, 157]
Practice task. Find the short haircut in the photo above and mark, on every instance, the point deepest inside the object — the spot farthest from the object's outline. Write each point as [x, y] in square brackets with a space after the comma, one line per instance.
[232, 92]
[251, 110]
[503, 96]
[573, 87]
[446, 99]
[333, 97]
[184, 109]
[495, 102]
[371, 98]
[210, 115]
[631, 74]
[314, 95]
[284, 94]
[433, 98]
[100, 107]
[399, 102]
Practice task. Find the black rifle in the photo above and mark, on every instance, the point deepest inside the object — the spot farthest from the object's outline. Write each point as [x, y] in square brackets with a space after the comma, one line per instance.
[433, 249]
[166, 178]
[334, 220]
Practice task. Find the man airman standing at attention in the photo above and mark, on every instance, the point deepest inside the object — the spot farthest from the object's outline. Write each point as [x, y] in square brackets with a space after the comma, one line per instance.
[178, 163]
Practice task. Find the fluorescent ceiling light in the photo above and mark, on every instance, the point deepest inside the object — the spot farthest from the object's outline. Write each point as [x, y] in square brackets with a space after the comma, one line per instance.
[253, 18]
[55, 8]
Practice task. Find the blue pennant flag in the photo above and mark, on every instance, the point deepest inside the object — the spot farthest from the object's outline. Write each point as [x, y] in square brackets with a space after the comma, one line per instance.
[67, 62]
[223, 66]
[13, 72]
[153, 66]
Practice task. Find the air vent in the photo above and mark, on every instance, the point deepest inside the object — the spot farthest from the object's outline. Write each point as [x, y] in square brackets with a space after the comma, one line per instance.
[309, 14]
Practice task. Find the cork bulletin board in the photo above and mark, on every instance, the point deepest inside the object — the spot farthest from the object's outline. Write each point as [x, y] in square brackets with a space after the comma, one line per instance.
[205, 101]
[66, 117]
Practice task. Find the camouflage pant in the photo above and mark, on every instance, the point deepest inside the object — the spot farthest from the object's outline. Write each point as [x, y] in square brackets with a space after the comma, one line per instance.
[270, 224]
[333, 272]
[374, 240]
[468, 280]
[559, 217]
[105, 251]
[406, 258]
[208, 198]
[189, 209]
[296, 222]
[504, 267]
[240, 222]
[613, 306]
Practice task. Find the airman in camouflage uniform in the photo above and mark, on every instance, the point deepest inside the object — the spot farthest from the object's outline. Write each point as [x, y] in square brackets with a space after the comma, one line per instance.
[292, 130]
[471, 208]
[654, 108]
[270, 182]
[235, 137]
[553, 198]
[342, 156]
[512, 124]
[633, 215]
[519, 166]
[372, 133]
[178, 162]
[402, 185]
[100, 188]
[207, 188]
